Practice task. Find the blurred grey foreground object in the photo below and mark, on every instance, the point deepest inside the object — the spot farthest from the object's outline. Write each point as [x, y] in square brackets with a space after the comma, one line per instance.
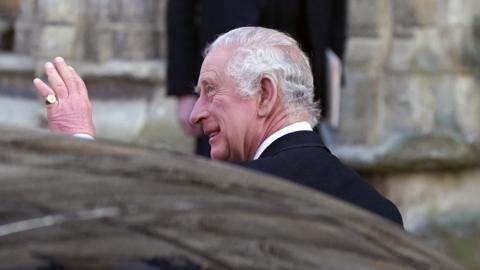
[72, 204]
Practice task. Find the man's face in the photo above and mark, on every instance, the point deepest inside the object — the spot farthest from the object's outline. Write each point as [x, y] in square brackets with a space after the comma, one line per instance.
[228, 119]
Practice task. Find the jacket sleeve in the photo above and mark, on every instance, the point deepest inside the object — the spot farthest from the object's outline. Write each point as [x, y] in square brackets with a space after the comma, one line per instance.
[338, 36]
[182, 41]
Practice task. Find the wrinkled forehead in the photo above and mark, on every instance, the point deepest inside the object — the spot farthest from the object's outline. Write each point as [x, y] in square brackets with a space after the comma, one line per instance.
[218, 57]
[215, 63]
[213, 68]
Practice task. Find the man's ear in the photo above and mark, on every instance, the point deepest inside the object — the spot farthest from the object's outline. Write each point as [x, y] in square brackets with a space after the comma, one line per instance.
[268, 95]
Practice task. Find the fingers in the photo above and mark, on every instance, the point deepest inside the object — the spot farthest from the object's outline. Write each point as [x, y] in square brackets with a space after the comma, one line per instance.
[81, 87]
[56, 81]
[63, 80]
[45, 92]
[66, 75]
[42, 88]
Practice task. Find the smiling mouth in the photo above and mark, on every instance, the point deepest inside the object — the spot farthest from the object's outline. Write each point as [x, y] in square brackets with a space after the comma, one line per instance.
[213, 134]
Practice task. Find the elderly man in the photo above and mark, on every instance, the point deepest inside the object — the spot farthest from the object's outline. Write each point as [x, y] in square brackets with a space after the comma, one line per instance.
[255, 105]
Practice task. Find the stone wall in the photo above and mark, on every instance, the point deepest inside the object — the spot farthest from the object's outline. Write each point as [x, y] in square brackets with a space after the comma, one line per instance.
[410, 107]
[119, 49]
[410, 116]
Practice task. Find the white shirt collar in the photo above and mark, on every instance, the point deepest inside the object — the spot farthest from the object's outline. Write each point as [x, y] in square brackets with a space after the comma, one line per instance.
[299, 126]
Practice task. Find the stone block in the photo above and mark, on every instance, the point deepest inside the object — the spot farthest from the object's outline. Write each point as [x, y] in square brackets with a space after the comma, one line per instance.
[58, 40]
[423, 99]
[431, 55]
[119, 119]
[445, 104]
[136, 44]
[365, 53]
[359, 109]
[367, 18]
[60, 11]
[418, 104]
[161, 127]
[139, 10]
[403, 18]
[469, 45]
[466, 92]
[405, 110]
[401, 55]
[457, 42]
[12, 63]
[27, 9]
[458, 13]
[447, 199]
[24, 37]
[426, 12]
[20, 112]
[99, 45]
[444, 92]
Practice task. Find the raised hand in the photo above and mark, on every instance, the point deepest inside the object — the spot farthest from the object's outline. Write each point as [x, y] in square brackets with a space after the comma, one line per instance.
[68, 107]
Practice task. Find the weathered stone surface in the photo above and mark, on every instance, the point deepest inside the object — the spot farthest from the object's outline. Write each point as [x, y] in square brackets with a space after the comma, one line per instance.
[458, 13]
[105, 202]
[19, 112]
[426, 12]
[98, 45]
[16, 63]
[399, 105]
[431, 55]
[358, 109]
[404, 153]
[124, 30]
[17, 85]
[59, 12]
[58, 40]
[365, 53]
[443, 208]
[423, 94]
[470, 46]
[161, 126]
[24, 39]
[448, 197]
[467, 107]
[404, 18]
[152, 71]
[120, 120]
[366, 17]
[401, 54]
[136, 44]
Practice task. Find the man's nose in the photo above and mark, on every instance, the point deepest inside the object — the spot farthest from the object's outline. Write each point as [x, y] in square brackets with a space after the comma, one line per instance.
[199, 111]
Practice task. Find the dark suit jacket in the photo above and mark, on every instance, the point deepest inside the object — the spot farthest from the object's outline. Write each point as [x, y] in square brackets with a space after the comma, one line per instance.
[192, 24]
[302, 158]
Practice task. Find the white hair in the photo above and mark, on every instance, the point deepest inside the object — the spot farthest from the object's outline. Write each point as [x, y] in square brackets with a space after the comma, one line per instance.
[260, 51]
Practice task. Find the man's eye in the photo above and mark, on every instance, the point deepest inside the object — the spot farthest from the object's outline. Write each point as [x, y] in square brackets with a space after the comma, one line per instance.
[209, 90]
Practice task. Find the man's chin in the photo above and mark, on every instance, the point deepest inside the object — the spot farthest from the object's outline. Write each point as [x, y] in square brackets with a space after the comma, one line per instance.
[216, 154]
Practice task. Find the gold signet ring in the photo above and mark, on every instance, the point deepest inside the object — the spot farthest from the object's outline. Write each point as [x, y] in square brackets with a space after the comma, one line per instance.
[50, 99]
